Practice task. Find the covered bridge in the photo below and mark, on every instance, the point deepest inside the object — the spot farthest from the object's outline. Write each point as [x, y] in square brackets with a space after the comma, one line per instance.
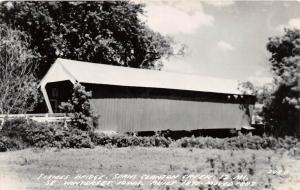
[129, 99]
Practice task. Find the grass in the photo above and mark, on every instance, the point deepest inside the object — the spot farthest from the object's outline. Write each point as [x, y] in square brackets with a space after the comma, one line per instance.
[22, 169]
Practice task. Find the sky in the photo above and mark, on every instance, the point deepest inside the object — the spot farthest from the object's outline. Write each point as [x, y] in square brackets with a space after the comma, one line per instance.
[225, 39]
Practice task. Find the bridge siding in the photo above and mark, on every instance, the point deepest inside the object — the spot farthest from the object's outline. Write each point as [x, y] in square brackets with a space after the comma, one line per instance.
[126, 109]
[143, 114]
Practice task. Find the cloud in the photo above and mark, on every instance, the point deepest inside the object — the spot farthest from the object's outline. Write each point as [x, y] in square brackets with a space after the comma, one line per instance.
[178, 66]
[225, 46]
[219, 3]
[173, 17]
[260, 81]
[294, 22]
[261, 77]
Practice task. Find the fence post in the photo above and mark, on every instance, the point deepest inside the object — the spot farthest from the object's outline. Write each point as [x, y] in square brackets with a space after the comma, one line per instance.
[27, 118]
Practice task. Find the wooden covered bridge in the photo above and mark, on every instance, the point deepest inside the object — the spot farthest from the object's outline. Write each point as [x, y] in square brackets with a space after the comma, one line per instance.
[131, 100]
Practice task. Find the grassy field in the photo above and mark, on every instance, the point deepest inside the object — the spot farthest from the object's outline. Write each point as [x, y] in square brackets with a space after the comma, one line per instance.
[148, 168]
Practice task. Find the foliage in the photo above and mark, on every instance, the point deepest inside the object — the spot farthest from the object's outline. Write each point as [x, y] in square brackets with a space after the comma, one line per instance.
[82, 116]
[108, 32]
[18, 85]
[20, 133]
[14, 128]
[281, 100]
[260, 92]
[7, 143]
[28, 133]
[126, 141]
[240, 142]
[39, 134]
[282, 109]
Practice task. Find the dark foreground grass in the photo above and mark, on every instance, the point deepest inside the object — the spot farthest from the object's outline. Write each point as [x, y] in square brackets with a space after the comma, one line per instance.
[184, 168]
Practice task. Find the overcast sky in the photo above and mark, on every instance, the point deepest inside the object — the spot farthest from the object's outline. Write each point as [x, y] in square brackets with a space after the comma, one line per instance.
[225, 39]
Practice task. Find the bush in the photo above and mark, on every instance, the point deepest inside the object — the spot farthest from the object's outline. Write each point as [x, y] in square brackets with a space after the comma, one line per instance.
[79, 139]
[14, 128]
[239, 142]
[19, 133]
[125, 141]
[12, 134]
[233, 143]
[39, 135]
[7, 143]
[79, 108]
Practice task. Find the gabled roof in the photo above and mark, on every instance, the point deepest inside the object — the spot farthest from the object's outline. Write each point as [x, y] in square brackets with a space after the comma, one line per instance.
[85, 72]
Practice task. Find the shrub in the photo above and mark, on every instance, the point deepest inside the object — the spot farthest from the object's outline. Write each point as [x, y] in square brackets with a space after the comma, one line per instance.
[7, 143]
[125, 141]
[14, 128]
[29, 133]
[12, 134]
[239, 142]
[82, 116]
[19, 133]
[79, 139]
[39, 134]
[233, 143]
[100, 139]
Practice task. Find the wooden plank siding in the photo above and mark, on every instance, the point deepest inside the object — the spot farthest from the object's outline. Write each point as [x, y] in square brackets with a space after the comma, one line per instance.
[144, 114]
[128, 109]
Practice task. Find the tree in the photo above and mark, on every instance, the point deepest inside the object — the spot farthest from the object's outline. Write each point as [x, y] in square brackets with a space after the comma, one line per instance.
[18, 87]
[108, 32]
[82, 116]
[282, 108]
[262, 93]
